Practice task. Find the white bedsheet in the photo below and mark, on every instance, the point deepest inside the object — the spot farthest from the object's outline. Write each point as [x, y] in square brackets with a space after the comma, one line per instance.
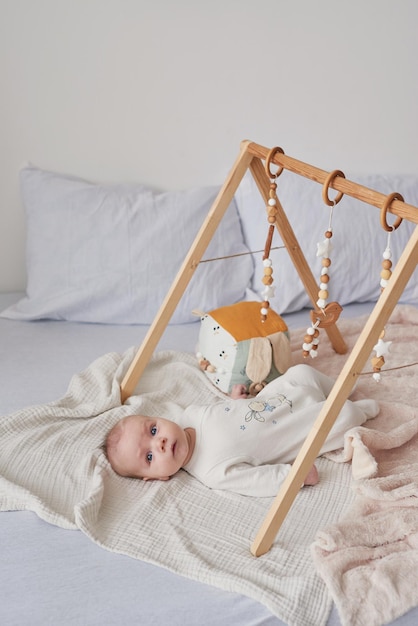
[52, 576]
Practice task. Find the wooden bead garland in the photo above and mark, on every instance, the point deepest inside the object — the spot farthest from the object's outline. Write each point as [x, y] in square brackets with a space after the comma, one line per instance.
[267, 279]
[272, 202]
[381, 349]
[324, 248]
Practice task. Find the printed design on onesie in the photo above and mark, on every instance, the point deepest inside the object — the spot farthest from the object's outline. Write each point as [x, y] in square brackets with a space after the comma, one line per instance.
[257, 407]
[282, 399]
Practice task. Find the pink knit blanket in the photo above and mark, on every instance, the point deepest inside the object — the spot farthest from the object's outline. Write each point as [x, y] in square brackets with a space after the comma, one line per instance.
[369, 559]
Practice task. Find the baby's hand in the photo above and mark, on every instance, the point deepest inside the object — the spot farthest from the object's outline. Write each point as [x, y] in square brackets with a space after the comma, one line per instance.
[238, 392]
[312, 477]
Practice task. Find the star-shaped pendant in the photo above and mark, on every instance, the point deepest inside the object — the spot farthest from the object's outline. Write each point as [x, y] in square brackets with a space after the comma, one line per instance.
[382, 347]
[268, 292]
[324, 248]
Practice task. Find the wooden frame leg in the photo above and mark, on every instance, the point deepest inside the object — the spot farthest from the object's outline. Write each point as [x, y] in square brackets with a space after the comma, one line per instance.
[185, 273]
[340, 392]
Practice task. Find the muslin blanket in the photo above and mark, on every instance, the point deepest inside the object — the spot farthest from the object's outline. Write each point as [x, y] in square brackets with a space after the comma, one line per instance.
[369, 559]
[52, 463]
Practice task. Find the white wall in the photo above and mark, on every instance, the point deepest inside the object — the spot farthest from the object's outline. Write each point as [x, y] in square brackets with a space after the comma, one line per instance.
[163, 91]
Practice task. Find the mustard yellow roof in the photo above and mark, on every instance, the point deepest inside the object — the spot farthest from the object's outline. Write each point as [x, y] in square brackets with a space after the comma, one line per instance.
[243, 320]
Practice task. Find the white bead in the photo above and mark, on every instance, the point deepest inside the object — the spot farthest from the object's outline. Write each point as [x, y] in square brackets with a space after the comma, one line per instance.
[387, 254]
[264, 311]
[310, 330]
[315, 341]
[313, 354]
[384, 283]
[307, 347]
[267, 263]
[272, 202]
[321, 303]
[323, 285]
[324, 270]
[377, 377]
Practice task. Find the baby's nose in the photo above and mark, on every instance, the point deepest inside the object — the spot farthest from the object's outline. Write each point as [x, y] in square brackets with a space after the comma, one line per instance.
[163, 444]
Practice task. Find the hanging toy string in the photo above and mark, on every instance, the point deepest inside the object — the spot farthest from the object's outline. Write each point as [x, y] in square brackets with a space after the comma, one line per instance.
[323, 250]
[271, 208]
[382, 348]
[326, 313]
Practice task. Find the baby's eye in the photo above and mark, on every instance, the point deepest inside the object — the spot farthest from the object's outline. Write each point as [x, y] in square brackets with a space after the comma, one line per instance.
[149, 457]
[153, 430]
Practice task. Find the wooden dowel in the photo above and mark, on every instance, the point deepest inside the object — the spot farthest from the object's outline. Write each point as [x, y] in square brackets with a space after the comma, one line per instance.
[369, 196]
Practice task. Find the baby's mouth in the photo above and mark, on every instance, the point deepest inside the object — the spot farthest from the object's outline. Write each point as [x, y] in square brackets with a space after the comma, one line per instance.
[173, 448]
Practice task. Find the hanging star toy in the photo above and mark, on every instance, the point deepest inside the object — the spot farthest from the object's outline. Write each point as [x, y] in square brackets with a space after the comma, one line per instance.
[324, 248]
[268, 292]
[382, 348]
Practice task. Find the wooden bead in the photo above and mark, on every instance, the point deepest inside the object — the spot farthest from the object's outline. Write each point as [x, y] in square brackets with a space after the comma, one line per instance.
[307, 339]
[385, 274]
[271, 219]
[273, 185]
[305, 354]
[378, 362]
[267, 280]
[323, 294]
[265, 304]
[272, 211]
[326, 262]
[386, 264]
[324, 278]
[268, 271]
[328, 234]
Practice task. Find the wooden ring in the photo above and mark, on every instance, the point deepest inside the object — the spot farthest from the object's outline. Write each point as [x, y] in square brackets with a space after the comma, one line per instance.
[390, 198]
[326, 185]
[270, 156]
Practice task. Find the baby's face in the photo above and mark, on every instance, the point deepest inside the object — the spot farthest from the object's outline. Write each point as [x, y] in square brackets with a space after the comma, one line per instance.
[151, 448]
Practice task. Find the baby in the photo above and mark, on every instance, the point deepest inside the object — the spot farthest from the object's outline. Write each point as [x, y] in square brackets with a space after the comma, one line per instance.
[245, 445]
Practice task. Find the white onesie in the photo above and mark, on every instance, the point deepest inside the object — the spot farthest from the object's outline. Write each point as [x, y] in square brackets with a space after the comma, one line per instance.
[247, 445]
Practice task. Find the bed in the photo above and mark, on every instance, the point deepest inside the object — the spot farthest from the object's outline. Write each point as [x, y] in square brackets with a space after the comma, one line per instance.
[76, 310]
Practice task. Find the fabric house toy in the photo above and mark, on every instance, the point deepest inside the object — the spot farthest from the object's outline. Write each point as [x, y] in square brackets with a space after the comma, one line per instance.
[237, 347]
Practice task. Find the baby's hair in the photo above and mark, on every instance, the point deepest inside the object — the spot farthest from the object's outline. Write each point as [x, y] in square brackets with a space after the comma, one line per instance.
[110, 448]
[110, 445]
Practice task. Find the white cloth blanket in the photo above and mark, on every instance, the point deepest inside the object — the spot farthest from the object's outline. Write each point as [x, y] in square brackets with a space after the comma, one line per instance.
[52, 463]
